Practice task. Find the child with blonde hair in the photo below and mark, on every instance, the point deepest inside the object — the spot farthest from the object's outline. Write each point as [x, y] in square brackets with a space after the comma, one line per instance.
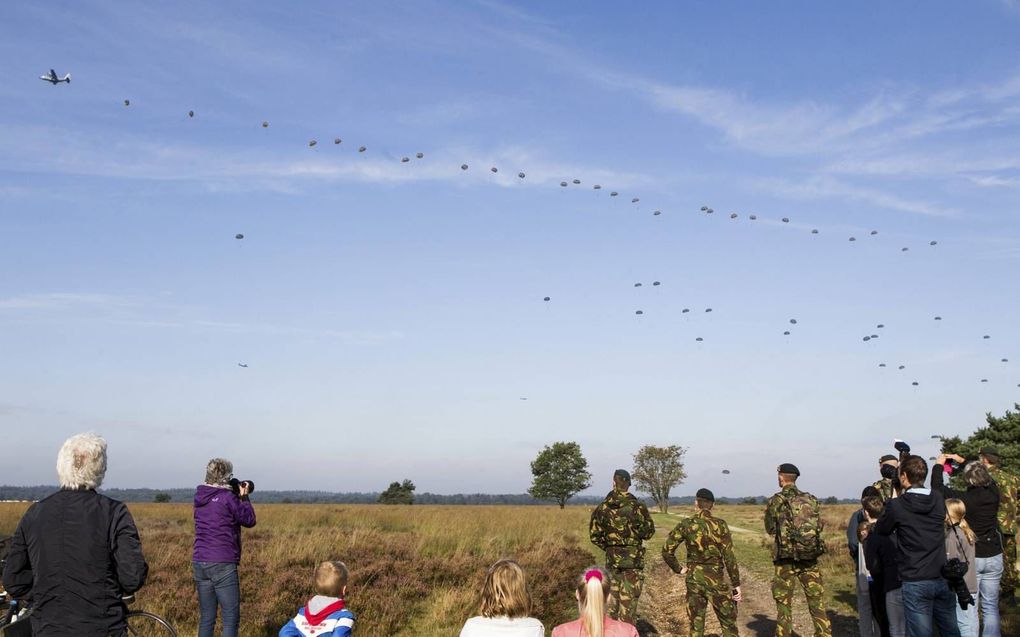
[506, 605]
[592, 593]
[960, 542]
[325, 614]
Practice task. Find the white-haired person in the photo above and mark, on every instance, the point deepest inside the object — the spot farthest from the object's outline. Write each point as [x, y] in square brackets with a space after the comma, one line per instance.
[592, 593]
[76, 553]
[220, 512]
[506, 605]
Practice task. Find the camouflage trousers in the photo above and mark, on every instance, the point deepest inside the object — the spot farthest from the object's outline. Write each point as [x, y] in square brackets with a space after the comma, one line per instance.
[787, 576]
[625, 593]
[704, 587]
[1009, 574]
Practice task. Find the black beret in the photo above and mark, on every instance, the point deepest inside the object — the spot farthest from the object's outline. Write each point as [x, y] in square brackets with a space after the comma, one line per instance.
[887, 457]
[622, 474]
[989, 451]
[786, 467]
[705, 494]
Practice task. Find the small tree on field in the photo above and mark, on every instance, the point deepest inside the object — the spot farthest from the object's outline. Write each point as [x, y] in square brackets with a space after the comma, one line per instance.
[559, 472]
[831, 500]
[161, 498]
[657, 470]
[398, 493]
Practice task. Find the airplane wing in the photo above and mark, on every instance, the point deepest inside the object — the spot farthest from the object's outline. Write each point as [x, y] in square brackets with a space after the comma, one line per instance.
[53, 74]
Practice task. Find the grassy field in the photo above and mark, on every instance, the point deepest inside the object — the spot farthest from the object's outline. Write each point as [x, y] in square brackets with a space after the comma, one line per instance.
[418, 570]
[414, 570]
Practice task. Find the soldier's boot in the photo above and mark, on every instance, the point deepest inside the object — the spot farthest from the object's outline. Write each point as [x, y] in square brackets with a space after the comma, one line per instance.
[782, 592]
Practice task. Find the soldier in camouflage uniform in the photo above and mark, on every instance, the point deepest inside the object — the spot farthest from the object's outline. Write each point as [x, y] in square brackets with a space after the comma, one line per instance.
[885, 486]
[1009, 488]
[709, 554]
[619, 526]
[793, 519]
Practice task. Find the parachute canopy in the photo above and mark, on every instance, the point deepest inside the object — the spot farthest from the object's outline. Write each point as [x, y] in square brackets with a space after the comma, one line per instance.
[239, 236]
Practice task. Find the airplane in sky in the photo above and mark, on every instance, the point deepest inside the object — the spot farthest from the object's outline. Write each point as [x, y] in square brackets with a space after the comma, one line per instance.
[54, 80]
[245, 365]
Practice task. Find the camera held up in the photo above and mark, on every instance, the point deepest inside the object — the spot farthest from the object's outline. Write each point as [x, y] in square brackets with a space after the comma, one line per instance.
[235, 486]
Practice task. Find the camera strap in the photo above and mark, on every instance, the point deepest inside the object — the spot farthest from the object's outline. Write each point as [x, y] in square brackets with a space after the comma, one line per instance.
[959, 544]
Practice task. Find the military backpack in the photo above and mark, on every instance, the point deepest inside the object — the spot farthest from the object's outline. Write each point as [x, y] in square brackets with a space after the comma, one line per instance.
[799, 528]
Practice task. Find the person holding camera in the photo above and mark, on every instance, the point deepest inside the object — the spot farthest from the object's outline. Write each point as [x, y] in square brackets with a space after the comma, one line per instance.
[221, 509]
[917, 517]
[1009, 494]
[981, 503]
[960, 541]
[889, 486]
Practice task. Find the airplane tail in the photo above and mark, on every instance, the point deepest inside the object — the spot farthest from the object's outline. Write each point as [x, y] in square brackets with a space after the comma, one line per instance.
[68, 78]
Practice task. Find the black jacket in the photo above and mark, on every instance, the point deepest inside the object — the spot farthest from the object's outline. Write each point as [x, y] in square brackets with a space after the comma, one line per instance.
[74, 555]
[982, 512]
[880, 555]
[918, 519]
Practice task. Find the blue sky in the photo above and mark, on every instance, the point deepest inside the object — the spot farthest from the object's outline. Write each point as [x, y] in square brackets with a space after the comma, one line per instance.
[391, 313]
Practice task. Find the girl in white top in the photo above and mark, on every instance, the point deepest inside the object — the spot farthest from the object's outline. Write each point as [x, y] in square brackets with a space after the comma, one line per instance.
[506, 604]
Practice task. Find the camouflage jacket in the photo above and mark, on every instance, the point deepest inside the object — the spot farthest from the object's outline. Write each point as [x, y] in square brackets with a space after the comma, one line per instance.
[789, 543]
[619, 526]
[709, 550]
[885, 489]
[1008, 485]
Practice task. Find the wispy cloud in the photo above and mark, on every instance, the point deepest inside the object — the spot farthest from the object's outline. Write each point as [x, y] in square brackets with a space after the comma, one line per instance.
[63, 301]
[825, 187]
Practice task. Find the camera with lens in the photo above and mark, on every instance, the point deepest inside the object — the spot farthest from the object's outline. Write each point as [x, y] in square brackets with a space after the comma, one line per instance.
[235, 486]
[953, 571]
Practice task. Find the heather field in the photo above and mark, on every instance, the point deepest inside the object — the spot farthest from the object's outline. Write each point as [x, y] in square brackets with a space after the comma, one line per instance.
[417, 570]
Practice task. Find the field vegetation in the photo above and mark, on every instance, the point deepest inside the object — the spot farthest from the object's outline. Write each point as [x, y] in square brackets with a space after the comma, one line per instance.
[417, 570]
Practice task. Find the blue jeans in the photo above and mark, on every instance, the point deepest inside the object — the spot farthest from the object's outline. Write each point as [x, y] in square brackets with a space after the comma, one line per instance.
[928, 602]
[217, 583]
[989, 572]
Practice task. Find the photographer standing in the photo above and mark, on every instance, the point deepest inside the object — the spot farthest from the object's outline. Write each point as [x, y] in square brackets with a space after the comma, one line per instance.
[889, 486]
[1009, 490]
[221, 509]
[917, 518]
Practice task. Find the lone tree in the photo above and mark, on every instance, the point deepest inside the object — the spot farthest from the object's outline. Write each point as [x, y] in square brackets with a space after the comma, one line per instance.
[559, 471]
[398, 493]
[657, 470]
[161, 497]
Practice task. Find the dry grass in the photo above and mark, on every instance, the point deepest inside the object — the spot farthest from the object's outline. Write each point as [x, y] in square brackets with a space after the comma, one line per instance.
[414, 570]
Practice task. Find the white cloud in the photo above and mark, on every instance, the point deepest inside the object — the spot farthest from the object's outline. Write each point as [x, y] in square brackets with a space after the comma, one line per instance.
[62, 301]
[824, 187]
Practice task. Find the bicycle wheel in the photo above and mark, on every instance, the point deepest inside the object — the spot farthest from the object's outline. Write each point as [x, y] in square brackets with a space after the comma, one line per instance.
[143, 624]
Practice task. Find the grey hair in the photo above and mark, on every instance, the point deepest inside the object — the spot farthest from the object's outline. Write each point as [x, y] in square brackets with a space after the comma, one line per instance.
[976, 474]
[218, 471]
[81, 462]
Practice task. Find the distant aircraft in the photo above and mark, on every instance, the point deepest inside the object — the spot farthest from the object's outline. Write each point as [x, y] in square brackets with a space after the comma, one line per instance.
[244, 365]
[53, 79]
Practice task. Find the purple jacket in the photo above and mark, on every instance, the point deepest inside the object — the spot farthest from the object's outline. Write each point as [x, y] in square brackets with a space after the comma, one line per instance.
[219, 516]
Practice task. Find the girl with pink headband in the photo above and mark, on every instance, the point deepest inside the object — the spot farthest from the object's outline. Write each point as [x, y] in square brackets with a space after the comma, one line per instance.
[593, 587]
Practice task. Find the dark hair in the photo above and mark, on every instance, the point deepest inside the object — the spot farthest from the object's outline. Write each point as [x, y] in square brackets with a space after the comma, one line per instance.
[872, 505]
[869, 491]
[976, 475]
[916, 470]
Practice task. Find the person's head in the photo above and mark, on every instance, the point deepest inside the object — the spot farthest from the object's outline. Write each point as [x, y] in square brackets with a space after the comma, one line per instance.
[505, 593]
[331, 579]
[956, 515]
[868, 492]
[863, 528]
[990, 456]
[913, 472]
[621, 479]
[593, 587]
[218, 472]
[704, 500]
[888, 466]
[787, 474]
[81, 462]
[976, 475]
[872, 505]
